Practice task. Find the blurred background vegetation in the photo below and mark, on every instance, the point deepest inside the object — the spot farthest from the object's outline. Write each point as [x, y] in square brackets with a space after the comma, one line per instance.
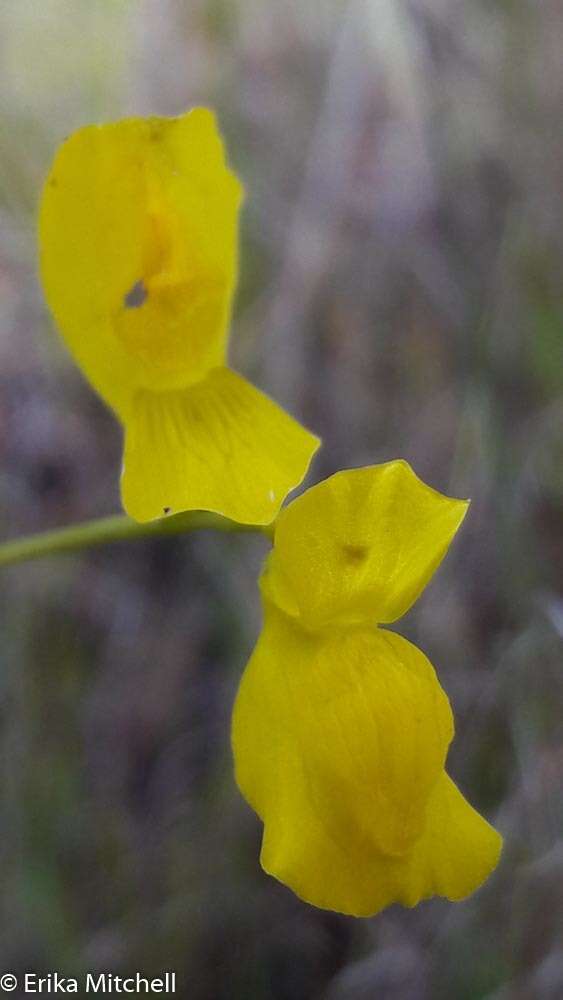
[402, 293]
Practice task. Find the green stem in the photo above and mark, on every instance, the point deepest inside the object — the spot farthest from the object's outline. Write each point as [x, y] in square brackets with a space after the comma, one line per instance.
[115, 529]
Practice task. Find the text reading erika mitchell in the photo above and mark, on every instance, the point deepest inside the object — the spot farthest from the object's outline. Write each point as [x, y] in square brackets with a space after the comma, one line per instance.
[102, 982]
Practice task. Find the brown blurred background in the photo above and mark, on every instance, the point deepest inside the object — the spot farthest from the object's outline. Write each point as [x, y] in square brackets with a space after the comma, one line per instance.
[401, 292]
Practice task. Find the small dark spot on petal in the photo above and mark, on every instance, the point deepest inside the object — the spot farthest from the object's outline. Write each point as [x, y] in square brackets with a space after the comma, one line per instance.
[166, 510]
[136, 296]
[355, 553]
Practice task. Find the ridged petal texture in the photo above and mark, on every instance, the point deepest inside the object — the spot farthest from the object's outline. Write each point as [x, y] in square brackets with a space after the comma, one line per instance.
[219, 445]
[138, 238]
[341, 730]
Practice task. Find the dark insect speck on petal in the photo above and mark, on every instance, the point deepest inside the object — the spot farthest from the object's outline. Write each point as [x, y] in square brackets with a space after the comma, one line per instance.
[355, 553]
[136, 296]
[167, 510]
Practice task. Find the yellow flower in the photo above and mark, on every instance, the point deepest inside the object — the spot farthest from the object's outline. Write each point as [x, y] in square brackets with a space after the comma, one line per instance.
[340, 727]
[138, 257]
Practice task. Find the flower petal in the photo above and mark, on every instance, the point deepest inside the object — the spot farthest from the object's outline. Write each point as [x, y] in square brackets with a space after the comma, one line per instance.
[339, 746]
[220, 445]
[354, 723]
[455, 855]
[360, 546]
[138, 251]
[458, 850]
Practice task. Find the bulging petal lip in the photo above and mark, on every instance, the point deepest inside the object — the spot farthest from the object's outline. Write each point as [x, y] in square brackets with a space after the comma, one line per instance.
[408, 896]
[260, 721]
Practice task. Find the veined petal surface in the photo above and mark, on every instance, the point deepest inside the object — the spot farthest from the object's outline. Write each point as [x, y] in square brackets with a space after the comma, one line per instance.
[220, 445]
[339, 744]
[456, 853]
[360, 546]
[138, 251]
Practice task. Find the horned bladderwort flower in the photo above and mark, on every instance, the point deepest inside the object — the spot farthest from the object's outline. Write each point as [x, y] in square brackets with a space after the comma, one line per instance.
[138, 258]
[340, 726]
